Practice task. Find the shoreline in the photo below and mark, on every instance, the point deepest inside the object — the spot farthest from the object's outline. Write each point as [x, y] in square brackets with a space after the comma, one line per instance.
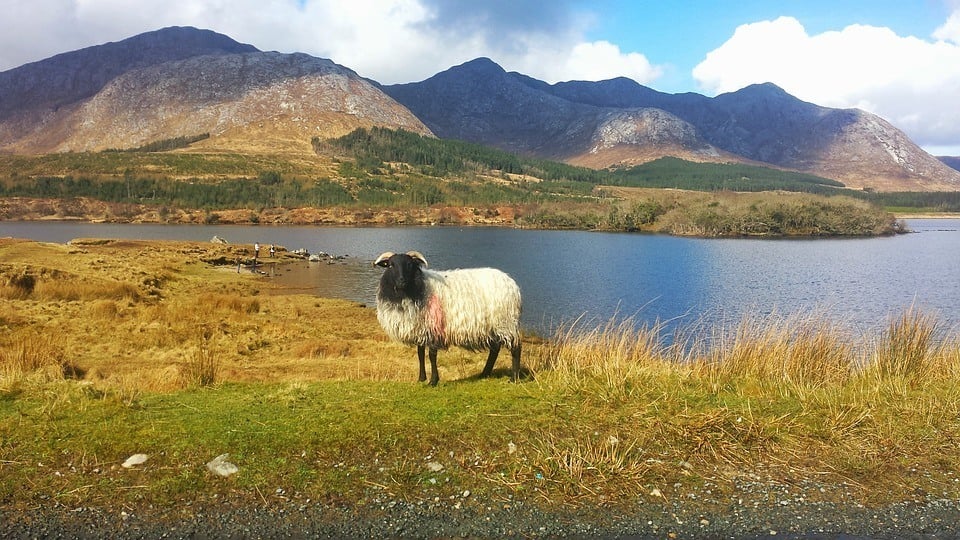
[929, 215]
[743, 215]
[306, 427]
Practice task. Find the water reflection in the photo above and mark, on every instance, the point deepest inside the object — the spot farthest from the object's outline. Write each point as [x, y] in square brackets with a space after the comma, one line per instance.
[566, 275]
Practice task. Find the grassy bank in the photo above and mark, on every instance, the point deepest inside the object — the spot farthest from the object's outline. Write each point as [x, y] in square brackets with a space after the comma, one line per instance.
[679, 213]
[110, 349]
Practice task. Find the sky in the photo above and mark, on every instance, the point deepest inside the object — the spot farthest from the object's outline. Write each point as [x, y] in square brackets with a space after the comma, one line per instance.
[899, 59]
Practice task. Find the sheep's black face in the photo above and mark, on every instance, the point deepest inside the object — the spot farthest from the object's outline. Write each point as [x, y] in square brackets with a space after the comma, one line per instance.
[402, 278]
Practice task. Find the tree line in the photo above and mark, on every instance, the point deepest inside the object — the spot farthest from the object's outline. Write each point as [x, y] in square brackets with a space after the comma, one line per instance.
[375, 147]
[165, 144]
[374, 150]
[384, 167]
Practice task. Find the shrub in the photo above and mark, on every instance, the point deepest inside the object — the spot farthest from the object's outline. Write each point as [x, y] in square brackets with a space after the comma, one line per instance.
[19, 286]
[203, 367]
[906, 348]
[28, 351]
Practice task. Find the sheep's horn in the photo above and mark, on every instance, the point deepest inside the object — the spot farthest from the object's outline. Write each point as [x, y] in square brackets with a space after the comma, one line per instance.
[418, 256]
[382, 259]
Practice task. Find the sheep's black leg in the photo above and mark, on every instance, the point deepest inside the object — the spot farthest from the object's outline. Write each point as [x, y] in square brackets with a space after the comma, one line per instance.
[491, 360]
[434, 375]
[423, 368]
[515, 354]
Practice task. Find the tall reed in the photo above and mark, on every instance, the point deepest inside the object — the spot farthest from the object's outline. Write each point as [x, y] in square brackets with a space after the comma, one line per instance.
[203, 367]
[913, 348]
[617, 360]
[28, 351]
[608, 361]
[799, 351]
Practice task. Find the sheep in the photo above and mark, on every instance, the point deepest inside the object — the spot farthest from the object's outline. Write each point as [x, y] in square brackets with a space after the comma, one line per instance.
[474, 308]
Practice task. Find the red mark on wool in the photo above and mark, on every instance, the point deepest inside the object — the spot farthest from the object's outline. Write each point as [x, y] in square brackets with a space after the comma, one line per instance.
[436, 320]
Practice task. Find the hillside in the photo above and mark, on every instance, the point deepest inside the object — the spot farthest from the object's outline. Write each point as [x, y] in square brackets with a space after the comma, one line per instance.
[246, 100]
[395, 177]
[228, 98]
[65, 79]
[619, 122]
[951, 161]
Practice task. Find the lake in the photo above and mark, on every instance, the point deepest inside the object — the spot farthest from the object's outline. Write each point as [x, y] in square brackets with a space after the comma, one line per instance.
[564, 275]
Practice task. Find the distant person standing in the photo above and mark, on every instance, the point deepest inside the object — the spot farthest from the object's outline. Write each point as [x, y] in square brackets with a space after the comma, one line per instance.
[256, 252]
[273, 250]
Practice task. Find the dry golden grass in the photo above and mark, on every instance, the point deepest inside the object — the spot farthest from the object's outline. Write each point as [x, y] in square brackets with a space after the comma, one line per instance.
[611, 411]
[798, 351]
[613, 361]
[156, 313]
[147, 307]
[25, 352]
[120, 308]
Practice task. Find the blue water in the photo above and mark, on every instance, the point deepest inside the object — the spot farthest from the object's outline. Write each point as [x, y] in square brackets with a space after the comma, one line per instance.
[565, 275]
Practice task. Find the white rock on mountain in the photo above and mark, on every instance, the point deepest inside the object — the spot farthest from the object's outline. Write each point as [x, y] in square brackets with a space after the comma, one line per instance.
[646, 126]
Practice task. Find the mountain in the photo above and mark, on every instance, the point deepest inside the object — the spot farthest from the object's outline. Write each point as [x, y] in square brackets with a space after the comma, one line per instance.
[66, 78]
[179, 82]
[620, 122]
[950, 161]
[480, 102]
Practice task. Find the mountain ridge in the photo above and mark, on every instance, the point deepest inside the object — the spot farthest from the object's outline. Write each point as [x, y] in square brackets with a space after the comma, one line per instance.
[760, 123]
[181, 82]
[68, 77]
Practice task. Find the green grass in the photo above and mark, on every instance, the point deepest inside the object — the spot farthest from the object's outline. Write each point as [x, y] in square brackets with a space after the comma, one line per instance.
[308, 397]
[146, 164]
[320, 440]
[670, 172]
[610, 414]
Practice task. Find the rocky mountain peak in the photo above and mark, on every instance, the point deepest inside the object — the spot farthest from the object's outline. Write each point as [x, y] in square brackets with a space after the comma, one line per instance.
[181, 82]
[620, 92]
[70, 77]
[620, 121]
[481, 66]
[480, 102]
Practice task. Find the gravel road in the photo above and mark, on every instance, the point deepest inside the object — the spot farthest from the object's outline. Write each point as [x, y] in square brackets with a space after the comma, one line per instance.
[780, 515]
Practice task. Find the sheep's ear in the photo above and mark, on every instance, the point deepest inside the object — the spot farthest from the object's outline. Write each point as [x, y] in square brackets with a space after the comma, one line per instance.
[417, 256]
[384, 259]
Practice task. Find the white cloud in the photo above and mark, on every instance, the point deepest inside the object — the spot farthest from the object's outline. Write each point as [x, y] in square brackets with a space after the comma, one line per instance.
[601, 60]
[950, 30]
[913, 83]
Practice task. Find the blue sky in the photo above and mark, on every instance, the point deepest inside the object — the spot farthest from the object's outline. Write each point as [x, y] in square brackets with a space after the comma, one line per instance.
[898, 59]
[680, 33]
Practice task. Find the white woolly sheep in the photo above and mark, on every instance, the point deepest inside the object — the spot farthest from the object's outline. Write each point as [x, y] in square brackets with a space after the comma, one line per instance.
[474, 308]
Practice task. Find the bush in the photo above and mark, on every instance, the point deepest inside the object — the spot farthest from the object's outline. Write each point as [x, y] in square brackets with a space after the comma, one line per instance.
[19, 286]
[203, 368]
[27, 351]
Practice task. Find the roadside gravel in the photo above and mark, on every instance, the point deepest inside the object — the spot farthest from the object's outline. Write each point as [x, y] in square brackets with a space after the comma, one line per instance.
[773, 511]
